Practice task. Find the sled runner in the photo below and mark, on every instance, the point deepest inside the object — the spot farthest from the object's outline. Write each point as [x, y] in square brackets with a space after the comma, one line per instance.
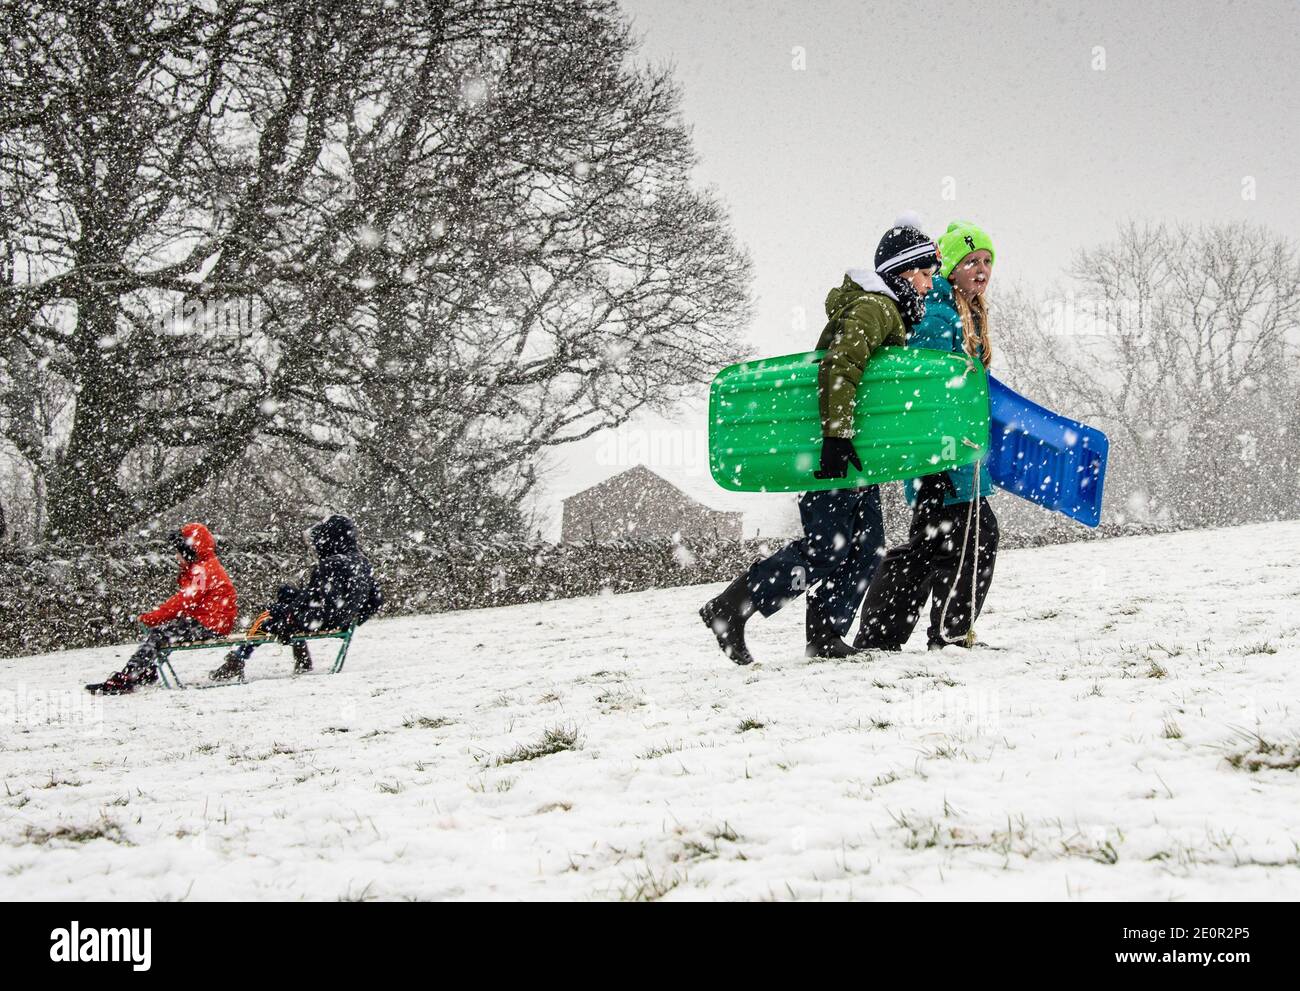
[163, 662]
[917, 412]
[1044, 457]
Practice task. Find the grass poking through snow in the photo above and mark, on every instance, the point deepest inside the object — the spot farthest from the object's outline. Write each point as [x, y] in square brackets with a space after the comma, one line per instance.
[555, 740]
[1260, 754]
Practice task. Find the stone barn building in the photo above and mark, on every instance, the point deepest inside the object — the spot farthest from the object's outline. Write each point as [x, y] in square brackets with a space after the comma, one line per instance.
[638, 503]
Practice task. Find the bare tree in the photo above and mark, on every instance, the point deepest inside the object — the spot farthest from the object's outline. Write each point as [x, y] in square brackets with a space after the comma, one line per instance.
[580, 278]
[1181, 343]
[463, 232]
[127, 190]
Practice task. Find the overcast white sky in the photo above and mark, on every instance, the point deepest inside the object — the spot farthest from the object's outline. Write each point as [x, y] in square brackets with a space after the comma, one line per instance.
[1000, 100]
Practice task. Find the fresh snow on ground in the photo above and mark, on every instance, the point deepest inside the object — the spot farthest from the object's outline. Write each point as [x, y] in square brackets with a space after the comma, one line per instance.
[1105, 753]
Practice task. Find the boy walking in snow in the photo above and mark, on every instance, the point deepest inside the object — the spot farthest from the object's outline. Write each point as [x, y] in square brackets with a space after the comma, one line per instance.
[203, 608]
[341, 591]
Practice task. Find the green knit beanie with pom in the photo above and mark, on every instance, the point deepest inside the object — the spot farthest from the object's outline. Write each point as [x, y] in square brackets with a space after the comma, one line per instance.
[959, 240]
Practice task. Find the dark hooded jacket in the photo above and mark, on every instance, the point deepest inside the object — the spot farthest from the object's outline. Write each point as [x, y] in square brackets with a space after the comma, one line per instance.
[341, 590]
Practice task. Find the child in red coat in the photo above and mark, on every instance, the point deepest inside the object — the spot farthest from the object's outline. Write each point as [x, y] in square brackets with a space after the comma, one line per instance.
[203, 608]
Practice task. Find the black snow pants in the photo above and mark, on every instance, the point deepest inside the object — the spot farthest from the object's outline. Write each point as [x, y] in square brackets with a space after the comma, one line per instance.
[281, 624]
[926, 565]
[844, 539]
[168, 634]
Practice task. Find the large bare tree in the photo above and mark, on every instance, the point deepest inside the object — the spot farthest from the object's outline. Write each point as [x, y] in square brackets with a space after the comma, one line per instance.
[1181, 342]
[454, 233]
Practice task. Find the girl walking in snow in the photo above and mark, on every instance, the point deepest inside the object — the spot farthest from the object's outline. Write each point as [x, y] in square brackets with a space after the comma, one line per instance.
[843, 528]
[953, 531]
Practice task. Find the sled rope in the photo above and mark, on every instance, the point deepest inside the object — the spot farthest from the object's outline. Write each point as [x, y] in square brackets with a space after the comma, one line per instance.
[256, 628]
[969, 636]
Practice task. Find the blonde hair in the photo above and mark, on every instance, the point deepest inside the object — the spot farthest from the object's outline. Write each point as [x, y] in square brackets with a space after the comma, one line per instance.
[974, 313]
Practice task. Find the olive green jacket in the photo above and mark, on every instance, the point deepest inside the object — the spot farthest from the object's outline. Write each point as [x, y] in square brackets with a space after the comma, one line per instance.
[859, 320]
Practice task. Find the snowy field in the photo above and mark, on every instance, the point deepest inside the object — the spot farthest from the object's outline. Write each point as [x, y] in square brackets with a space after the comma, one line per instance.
[1135, 738]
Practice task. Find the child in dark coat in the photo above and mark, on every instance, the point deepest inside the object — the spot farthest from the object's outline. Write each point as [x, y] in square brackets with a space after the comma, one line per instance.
[341, 591]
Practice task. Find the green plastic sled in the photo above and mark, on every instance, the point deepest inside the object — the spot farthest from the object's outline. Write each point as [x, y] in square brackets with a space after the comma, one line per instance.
[918, 412]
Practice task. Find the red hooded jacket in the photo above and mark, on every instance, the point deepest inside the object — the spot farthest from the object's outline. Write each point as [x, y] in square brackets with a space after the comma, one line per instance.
[206, 592]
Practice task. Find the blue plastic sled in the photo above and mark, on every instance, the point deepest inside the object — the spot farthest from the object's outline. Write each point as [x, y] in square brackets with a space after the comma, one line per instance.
[1044, 457]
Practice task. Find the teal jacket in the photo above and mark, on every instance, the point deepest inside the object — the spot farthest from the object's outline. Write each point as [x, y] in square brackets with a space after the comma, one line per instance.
[941, 330]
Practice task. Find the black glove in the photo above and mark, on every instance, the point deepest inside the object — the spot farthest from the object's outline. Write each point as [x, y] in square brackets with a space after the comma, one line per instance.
[837, 454]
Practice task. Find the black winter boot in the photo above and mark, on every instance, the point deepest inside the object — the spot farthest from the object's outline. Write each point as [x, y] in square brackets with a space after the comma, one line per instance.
[823, 641]
[232, 670]
[126, 681]
[962, 644]
[301, 658]
[940, 644]
[726, 616]
[864, 642]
